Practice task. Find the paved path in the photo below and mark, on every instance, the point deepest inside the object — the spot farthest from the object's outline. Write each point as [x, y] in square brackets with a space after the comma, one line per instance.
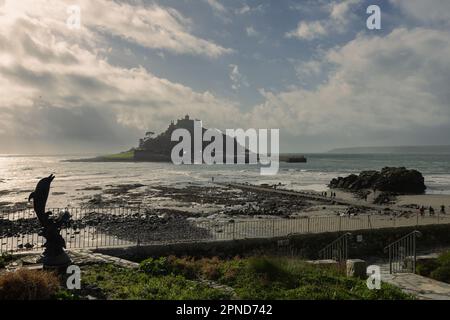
[85, 257]
[422, 287]
[79, 257]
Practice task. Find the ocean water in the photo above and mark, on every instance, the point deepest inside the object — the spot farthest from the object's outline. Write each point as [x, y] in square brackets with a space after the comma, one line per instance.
[19, 174]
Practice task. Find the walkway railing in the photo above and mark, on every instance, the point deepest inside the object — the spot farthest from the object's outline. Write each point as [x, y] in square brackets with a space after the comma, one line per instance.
[107, 227]
[403, 254]
[336, 250]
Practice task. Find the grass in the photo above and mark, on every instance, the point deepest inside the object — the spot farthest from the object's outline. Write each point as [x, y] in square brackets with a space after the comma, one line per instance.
[125, 284]
[257, 278]
[438, 269]
[127, 155]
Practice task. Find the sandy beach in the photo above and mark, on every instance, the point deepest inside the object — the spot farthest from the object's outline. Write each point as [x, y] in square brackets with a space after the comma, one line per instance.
[434, 200]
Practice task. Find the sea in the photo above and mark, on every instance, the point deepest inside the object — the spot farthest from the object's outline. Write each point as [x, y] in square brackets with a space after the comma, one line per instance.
[19, 174]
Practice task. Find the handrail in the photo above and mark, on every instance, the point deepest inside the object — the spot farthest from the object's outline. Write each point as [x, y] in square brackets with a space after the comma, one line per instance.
[418, 233]
[340, 240]
[401, 251]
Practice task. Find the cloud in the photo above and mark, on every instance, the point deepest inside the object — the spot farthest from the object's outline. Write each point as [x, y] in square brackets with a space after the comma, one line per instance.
[251, 32]
[151, 26]
[237, 78]
[339, 18]
[339, 11]
[243, 10]
[216, 6]
[431, 11]
[64, 88]
[308, 30]
[220, 11]
[246, 9]
[379, 86]
[61, 86]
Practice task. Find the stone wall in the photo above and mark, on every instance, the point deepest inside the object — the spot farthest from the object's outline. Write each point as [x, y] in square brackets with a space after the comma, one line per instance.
[305, 245]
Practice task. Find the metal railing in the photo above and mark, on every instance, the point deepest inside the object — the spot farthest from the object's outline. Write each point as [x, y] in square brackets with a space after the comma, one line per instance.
[111, 227]
[403, 254]
[336, 250]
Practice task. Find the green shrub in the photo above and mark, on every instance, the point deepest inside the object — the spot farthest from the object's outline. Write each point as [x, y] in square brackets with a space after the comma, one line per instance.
[5, 258]
[256, 278]
[155, 267]
[205, 268]
[269, 269]
[65, 295]
[124, 284]
[425, 268]
[283, 278]
[438, 269]
[442, 271]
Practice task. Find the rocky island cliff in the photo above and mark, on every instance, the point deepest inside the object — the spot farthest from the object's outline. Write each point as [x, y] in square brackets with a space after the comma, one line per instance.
[397, 180]
[158, 148]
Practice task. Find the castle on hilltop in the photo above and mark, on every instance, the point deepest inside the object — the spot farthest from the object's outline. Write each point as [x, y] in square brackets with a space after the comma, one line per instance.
[159, 148]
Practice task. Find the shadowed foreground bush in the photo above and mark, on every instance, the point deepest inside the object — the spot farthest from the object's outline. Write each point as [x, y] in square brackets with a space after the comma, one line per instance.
[28, 285]
[437, 269]
[5, 258]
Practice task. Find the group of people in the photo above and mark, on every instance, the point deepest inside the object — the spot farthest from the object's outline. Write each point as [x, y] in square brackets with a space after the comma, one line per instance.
[431, 210]
[332, 194]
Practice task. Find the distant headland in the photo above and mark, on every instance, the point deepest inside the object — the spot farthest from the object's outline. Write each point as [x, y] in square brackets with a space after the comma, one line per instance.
[158, 148]
[398, 149]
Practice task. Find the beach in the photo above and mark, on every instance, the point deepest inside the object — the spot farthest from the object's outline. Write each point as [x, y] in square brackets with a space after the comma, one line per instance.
[171, 200]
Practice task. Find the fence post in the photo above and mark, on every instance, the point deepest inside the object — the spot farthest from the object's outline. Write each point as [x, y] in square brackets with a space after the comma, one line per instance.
[390, 260]
[340, 223]
[234, 230]
[273, 228]
[415, 253]
[138, 240]
[308, 224]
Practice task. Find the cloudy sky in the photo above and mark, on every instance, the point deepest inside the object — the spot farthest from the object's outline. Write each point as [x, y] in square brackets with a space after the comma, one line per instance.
[308, 67]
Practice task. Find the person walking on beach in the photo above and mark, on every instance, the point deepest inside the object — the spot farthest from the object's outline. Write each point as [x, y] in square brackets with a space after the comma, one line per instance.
[442, 209]
[431, 211]
[422, 211]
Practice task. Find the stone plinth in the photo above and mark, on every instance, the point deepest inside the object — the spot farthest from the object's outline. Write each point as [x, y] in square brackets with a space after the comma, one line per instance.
[356, 268]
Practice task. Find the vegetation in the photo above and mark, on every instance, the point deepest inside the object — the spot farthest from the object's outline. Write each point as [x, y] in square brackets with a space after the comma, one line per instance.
[213, 278]
[438, 269]
[28, 285]
[122, 156]
[119, 283]
[5, 258]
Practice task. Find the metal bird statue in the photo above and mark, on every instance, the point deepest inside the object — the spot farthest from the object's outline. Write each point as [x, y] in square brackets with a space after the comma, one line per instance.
[54, 254]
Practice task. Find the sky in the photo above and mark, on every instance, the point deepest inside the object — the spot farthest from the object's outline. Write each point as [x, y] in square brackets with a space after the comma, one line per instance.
[310, 68]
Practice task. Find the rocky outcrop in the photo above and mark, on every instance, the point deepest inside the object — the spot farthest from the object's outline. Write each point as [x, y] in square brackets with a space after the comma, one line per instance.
[398, 180]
